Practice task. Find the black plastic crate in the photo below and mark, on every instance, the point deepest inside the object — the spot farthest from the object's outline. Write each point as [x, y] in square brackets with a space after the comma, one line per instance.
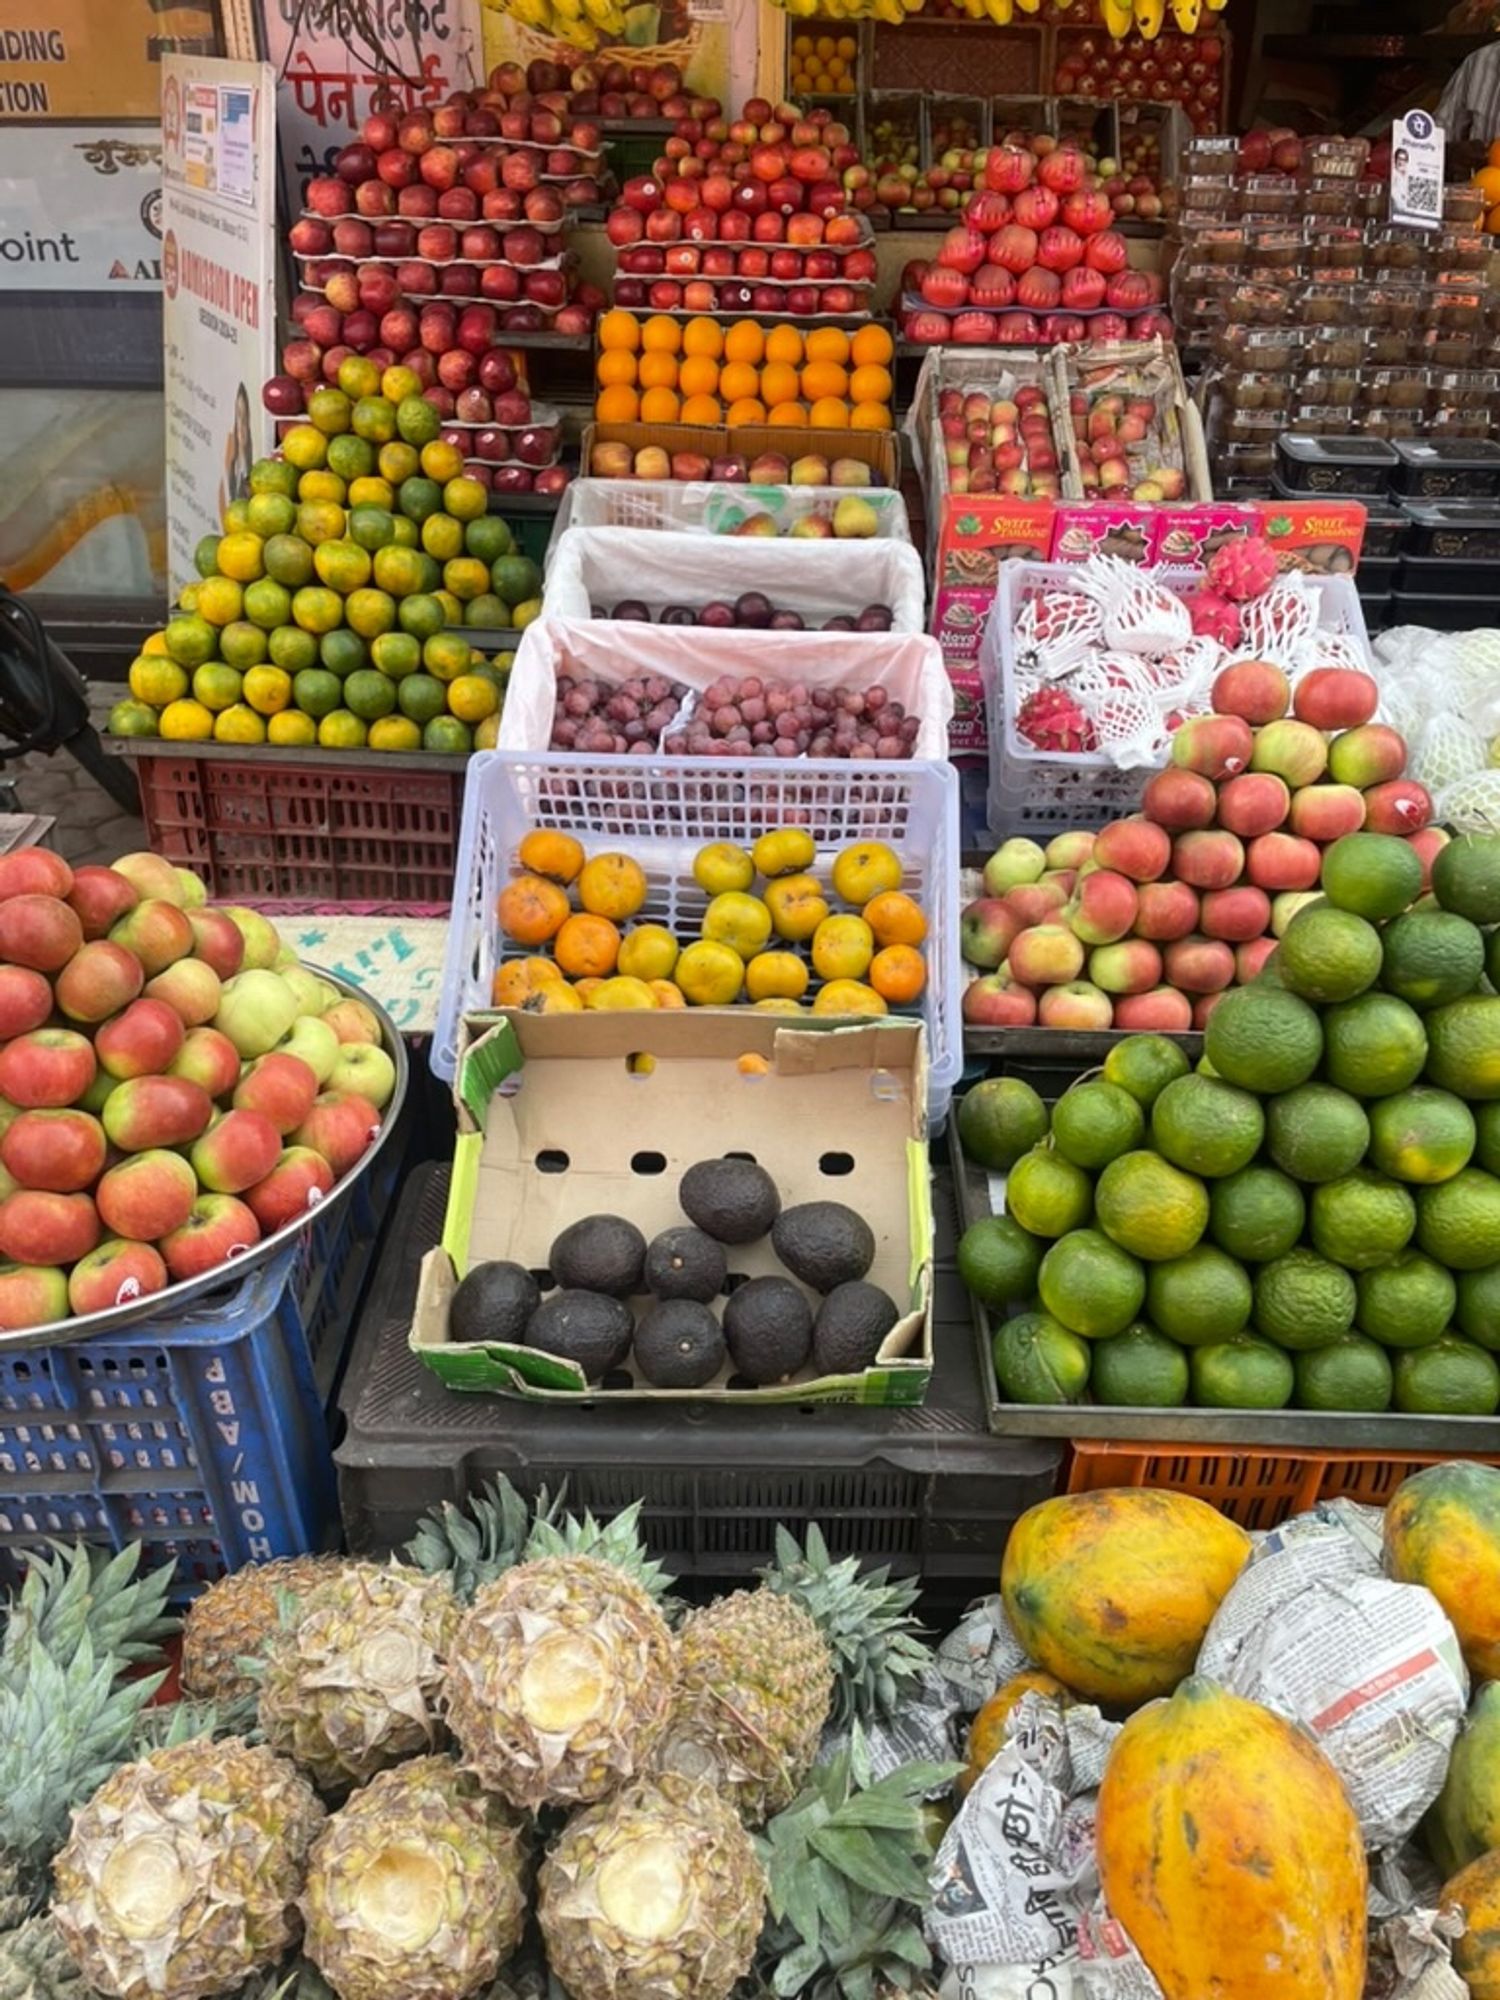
[1444, 613]
[1446, 468]
[1443, 576]
[928, 1490]
[1456, 530]
[1348, 466]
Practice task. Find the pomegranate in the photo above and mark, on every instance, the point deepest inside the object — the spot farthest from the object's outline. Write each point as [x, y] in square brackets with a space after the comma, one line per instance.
[1015, 248]
[1060, 249]
[1037, 207]
[1088, 211]
[1107, 252]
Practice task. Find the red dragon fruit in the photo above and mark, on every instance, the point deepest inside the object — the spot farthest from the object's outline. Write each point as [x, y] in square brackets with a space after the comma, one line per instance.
[1214, 617]
[1050, 719]
[1243, 568]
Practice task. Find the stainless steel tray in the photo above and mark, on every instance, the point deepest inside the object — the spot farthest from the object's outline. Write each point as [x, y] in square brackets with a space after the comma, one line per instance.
[175, 1299]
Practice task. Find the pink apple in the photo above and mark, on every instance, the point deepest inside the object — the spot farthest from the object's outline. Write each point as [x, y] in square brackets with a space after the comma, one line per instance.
[1198, 964]
[1236, 914]
[1211, 859]
[31, 1295]
[986, 928]
[209, 1059]
[368, 1072]
[147, 1196]
[1079, 1004]
[40, 1228]
[1167, 910]
[114, 1274]
[158, 932]
[101, 896]
[191, 988]
[143, 1041]
[49, 1067]
[352, 1021]
[219, 1228]
[99, 981]
[150, 1111]
[1136, 847]
[295, 1186]
[281, 1087]
[238, 1149]
[34, 871]
[151, 875]
[61, 1151]
[998, 1000]
[1163, 1010]
[218, 941]
[1179, 800]
[25, 1000]
[39, 931]
[340, 1126]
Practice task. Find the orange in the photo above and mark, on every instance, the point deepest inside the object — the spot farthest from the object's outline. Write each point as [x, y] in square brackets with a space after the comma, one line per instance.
[618, 404]
[848, 996]
[786, 850]
[824, 378]
[1493, 158]
[660, 406]
[870, 417]
[748, 410]
[559, 856]
[612, 885]
[778, 383]
[797, 906]
[531, 909]
[710, 974]
[751, 1064]
[616, 368]
[829, 413]
[698, 375]
[872, 347]
[789, 416]
[892, 916]
[620, 331]
[745, 342]
[517, 980]
[828, 343]
[1492, 220]
[661, 335]
[722, 866]
[863, 870]
[871, 385]
[842, 948]
[657, 371]
[1487, 180]
[587, 947]
[737, 379]
[703, 337]
[667, 994]
[740, 921]
[707, 410]
[898, 973]
[784, 343]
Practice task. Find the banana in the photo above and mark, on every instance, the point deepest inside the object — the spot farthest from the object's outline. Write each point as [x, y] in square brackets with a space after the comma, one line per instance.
[890, 11]
[1187, 14]
[568, 10]
[577, 34]
[1149, 15]
[1001, 12]
[1217, 6]
[535, 13]
[1118, 17]
[1029, 6]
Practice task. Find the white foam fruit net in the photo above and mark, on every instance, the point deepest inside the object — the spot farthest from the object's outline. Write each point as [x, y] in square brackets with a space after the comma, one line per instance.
[1056, 632]
[1279, 626]
[1442, 691]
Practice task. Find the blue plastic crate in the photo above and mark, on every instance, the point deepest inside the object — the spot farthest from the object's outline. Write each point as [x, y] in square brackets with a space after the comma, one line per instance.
[204, 1438]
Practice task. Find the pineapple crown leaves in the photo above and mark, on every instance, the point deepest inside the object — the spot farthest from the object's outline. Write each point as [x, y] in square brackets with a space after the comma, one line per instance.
[846, 1871]
[79, 1591]
[617, 1541]
[866, 1621]
[181, 1721]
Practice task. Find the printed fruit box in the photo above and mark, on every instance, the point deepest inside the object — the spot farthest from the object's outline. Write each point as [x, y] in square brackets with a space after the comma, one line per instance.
[566, 1116]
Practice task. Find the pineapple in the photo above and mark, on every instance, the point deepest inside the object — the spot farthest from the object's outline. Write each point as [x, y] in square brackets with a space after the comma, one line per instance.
[654, 1895]
[472, 1546]
[352, 1682]
[34, 1965]
[236, 1617]
[560, 1682]
[755, 1683]
[866, 1622]
[416, 1887]
[180, 1875]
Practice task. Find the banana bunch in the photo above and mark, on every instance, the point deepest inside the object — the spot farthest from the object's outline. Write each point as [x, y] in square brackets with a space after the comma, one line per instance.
[582, 24]
[1187, 14]
[1001, 12]
[1118, 17]
[1149, 15]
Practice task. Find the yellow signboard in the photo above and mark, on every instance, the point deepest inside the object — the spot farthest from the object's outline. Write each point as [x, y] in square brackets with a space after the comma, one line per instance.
[83, 59]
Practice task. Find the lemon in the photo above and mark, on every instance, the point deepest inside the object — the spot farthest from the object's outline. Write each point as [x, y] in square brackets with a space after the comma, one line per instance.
[395, 732]
[156, 679]
[710, 974]
[220, 600]
[340, 729]
[239, 724]
[268, 690]
[187, 722]
[472, 698]
[217, 687]
[291, 729]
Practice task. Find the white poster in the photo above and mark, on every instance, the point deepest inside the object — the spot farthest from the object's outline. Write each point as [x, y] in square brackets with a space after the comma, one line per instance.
[1418, 150]
[80, 208]
[218, 294]
[331, 71]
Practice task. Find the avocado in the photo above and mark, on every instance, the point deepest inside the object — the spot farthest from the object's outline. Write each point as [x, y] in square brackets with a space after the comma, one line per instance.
[824, 1244]
[600, 1253]
[585, 1327]
[851, 1323]
[494, 1302]
[768, 1325]
[685, 1264]
[734, 1201]
[678, 1345]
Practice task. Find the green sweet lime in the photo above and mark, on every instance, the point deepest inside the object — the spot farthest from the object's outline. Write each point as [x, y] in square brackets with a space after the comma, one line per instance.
[1090, 1284]
[1350, 1373]
[1199, 1298]
[1206, 1126]
[1303, 1300]
[1241, 1374]
[1139, 1369]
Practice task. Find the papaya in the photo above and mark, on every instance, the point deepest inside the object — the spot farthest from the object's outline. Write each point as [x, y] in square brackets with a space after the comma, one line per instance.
[1442, 1529]
[1113, 1591]
[1230, 1853]
[987, 1730]
[1464, 1821]
[1476, 1955]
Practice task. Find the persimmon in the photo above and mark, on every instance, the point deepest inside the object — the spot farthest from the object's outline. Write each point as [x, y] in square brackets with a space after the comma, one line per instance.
[613, 886]
[587, 947]
[531, 909]
[898, 974]
[558, 856]
[895, 918]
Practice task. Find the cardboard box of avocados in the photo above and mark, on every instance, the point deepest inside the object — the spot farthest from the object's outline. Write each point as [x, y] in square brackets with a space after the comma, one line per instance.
[562, 1116]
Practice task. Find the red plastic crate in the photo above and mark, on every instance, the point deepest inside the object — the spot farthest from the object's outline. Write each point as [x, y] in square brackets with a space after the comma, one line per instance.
[272, 828]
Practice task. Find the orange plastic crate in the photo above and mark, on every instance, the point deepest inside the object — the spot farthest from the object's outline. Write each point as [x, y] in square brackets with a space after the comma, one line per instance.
[1256, 1488]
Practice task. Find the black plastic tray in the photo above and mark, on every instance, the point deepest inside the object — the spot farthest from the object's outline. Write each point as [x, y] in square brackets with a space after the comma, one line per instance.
[1446, 468]
[1445, 576]
[926, 1489]
[1444, 613]
[1458, 530]
[1349, 466]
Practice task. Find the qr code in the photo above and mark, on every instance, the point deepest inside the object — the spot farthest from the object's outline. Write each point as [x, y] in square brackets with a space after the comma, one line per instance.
[1425, 196]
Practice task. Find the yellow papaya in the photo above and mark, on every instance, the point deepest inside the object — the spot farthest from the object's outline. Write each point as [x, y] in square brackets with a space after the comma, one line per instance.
[1113, 1591]
[1464, 1821]
[987, 1730]
[1476, 1955]
[1231, 1854]
[1442, 1529]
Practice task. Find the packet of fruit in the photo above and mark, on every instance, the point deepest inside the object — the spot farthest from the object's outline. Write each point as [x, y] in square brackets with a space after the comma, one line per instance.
[1319, 537]
[1185, 537]
[1085, 528]
[968, 733]
[957, 623]
[980, 531]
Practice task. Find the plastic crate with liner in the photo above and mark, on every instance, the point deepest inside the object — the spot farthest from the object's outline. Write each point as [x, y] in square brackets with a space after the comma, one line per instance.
[661, 810]
[203, 1436]
[924, 1488]
[1044, 792]
[271, 828]
[701, 507]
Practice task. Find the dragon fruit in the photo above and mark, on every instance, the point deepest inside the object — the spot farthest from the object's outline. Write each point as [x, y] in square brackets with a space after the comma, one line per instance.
[1243, 568]
[1050, 719]
[1214, 617]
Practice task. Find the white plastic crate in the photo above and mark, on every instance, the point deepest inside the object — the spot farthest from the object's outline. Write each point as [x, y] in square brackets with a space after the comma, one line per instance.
[662, 811]
[705, 507]
[1046, 791]
[598, 567]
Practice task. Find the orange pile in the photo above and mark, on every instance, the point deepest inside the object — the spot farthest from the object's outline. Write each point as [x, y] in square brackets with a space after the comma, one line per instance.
[665, 371]
[823, 66]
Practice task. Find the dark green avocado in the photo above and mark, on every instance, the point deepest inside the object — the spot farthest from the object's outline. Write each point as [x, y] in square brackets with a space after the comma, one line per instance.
[584, 1327]
[599, 1253]
[824, 1244]
[733, 1201]
[678, 1345]
[684, 1263]
[851, 1323]
[494, 1302]
[768, 1325]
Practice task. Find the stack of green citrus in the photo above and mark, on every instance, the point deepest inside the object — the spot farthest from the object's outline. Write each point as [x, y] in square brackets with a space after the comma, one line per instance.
[1310, 1217]
[332, 610]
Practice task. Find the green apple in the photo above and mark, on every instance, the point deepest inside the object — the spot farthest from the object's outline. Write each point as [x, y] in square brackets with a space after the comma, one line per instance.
[316, 1043]
[256, 1010]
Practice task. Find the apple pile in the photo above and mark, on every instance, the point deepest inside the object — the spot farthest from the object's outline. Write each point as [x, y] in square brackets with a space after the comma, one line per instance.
[1120, 447]
[170, 1089]
[612, 90]
[1172, 69]
[613, 459]
[677, 249]
[1147, 923]
[999, 444]
[1033, 262]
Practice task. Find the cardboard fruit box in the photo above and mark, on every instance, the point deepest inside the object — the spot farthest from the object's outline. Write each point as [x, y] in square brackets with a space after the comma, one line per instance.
[880, 450]
[561, 1117]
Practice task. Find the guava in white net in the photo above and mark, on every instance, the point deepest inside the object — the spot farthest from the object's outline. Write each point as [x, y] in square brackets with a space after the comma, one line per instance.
[1444, 750]
[1473, 804]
